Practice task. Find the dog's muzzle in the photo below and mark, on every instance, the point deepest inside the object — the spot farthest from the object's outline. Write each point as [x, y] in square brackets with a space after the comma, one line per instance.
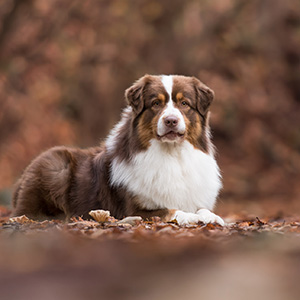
[170, 129]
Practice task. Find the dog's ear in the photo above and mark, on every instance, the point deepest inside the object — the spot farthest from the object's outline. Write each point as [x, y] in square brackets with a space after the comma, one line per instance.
[135, 94]
[204, 96]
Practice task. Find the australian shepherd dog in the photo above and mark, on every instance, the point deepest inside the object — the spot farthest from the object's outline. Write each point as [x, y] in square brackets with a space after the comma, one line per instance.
[157, 161]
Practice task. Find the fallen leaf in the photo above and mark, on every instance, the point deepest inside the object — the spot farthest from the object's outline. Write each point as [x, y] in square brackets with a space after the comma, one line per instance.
[100, 215]
[134, 220]
[21, 219]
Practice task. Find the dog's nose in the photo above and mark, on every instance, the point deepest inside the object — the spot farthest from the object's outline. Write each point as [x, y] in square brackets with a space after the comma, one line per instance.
[171, 121]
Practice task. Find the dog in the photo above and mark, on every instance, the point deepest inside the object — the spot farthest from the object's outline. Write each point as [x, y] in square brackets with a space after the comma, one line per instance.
[157, 161]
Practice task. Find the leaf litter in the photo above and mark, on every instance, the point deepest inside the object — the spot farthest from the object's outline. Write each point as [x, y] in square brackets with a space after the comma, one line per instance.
[133, 228]
[149, 259]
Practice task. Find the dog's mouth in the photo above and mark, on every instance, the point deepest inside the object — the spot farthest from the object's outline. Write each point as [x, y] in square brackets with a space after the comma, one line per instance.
[171, 136]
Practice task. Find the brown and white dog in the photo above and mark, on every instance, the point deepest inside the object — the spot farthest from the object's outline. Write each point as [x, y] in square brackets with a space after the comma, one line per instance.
[157, 161]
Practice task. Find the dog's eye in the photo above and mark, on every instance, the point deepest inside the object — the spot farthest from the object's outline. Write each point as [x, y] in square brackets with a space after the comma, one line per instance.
[184, 103]
[155, 103]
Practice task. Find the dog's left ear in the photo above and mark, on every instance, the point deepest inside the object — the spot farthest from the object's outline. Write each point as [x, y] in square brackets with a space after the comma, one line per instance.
[135, 94]
[204, 96]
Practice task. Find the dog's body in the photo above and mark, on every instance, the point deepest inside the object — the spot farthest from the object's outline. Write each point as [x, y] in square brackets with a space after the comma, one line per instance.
[157, 161]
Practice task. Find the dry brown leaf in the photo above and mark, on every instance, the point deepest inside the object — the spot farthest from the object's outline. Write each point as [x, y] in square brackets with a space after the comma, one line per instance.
[100, 215]
[133, 220]
[259, 222]
[21, 219]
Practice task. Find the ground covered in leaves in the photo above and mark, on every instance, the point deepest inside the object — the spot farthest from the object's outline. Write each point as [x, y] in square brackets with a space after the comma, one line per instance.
[84, 259]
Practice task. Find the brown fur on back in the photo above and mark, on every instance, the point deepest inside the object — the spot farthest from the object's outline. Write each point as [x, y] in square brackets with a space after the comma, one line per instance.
[50, 183]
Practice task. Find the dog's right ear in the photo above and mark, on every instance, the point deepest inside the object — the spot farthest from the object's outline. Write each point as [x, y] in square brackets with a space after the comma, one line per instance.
[135, 94]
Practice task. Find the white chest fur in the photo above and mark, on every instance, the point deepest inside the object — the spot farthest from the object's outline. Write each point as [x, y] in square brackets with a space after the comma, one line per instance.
[170, 176]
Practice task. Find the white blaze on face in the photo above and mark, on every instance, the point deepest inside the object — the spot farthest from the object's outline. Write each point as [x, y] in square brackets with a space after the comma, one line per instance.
[170, 110]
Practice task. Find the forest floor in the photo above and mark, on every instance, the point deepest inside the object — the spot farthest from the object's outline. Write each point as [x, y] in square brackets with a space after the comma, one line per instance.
[249, 257]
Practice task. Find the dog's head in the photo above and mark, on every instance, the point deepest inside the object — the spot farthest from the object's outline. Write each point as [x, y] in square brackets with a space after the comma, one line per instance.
[170, 109]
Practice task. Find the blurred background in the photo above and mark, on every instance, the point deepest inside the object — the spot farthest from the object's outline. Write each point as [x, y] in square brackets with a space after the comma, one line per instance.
[64, 66]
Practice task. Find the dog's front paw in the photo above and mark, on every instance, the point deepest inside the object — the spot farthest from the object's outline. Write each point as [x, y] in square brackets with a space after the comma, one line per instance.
[207, 216]
[203, 215]
[184, 218]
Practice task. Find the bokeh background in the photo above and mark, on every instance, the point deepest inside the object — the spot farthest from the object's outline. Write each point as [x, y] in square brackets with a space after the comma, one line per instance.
[64, 66]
